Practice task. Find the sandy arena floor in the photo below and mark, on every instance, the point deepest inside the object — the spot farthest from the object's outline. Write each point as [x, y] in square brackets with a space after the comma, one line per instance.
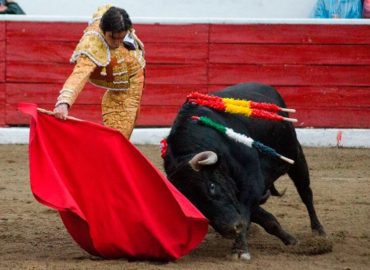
[33, 236]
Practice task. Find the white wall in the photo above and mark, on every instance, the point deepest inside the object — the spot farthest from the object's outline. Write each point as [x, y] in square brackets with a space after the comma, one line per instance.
[177, 8]
[312, 137]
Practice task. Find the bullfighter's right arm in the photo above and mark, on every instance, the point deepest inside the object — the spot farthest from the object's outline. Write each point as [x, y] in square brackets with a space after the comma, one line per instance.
[76, 81]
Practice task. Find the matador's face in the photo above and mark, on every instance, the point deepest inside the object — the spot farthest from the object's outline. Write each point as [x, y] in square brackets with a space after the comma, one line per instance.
[114, 39]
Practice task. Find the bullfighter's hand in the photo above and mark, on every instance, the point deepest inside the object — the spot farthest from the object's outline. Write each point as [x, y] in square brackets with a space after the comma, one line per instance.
[61, 111]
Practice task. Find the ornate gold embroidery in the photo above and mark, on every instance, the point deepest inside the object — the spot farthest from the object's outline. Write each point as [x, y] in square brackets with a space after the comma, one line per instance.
[76, 81]
[118, 69]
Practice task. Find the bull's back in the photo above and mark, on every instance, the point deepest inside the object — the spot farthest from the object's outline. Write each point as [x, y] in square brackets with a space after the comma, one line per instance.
[252, 91]
[186, 137]
[260, 129]
[279, 135]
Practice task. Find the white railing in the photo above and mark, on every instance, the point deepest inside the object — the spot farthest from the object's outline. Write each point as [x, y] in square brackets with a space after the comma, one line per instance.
[169, 20]
[177, 8]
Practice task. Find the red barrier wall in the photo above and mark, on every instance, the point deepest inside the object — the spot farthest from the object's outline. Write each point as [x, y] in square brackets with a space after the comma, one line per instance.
[321, 70]
[2, 74]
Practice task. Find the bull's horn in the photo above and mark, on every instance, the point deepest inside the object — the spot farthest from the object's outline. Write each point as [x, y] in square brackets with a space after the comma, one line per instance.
[203, 158]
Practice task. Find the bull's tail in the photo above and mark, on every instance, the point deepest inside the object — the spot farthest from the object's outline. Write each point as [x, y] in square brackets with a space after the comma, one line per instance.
[275, 192]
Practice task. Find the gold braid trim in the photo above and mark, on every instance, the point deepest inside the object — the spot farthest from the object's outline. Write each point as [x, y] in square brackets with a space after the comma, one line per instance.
[92, 44]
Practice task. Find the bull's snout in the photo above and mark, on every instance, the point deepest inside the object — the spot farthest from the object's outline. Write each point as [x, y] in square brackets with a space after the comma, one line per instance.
[231, 230]
[238, 227]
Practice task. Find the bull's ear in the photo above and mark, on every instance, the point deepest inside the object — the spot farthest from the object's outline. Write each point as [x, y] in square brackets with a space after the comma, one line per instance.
[203, 159]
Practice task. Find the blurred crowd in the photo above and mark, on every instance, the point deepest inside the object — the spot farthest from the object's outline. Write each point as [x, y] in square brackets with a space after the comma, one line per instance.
[10, 7]
[342, 9]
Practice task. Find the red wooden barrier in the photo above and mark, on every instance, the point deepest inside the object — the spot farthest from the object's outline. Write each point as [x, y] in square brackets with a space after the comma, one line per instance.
[2, 74]
[2, 104]
[44, 31]
[321, 70]
[293, 54]
[290, 34]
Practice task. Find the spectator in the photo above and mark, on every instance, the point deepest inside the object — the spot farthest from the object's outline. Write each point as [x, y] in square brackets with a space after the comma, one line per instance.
[340, 9]
[366, 9]
[10, 7]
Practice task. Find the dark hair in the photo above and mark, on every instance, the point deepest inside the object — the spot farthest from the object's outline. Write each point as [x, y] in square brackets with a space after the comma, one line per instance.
[115, 20]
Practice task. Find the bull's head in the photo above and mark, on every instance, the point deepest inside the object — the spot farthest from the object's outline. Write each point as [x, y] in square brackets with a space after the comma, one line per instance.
[208, 185]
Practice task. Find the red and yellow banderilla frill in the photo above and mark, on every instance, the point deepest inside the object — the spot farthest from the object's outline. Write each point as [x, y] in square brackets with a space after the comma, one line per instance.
[244, 107]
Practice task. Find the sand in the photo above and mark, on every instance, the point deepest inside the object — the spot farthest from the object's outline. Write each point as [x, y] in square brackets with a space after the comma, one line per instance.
[32, 236]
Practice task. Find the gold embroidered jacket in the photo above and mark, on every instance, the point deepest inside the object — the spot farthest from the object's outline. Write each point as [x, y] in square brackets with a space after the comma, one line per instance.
[113, 69]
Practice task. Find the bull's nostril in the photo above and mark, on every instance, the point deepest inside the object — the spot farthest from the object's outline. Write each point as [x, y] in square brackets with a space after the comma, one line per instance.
[238, 227]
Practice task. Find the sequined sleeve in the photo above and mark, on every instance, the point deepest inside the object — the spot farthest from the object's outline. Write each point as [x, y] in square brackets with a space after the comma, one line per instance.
[136, 77]
[76, 81]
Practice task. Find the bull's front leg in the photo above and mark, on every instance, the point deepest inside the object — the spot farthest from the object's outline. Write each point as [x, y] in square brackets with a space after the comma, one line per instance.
[272, 226]
[239, 250]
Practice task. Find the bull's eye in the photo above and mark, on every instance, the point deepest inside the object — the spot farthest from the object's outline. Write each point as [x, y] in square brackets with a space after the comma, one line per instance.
[212, 189]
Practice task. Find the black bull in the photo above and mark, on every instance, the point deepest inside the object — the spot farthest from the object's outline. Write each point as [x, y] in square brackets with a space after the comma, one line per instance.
[228, 181]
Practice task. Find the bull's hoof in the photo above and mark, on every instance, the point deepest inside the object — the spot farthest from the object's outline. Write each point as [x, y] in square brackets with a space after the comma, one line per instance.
[319, 231]
[290, 241]
[243, 256]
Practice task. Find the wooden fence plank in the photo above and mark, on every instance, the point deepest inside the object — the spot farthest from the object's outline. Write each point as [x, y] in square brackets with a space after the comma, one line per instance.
[43, 31]
[57, 73]
[148, 116]
[163, 33]
[2, 44]
[39, 52]
[327, 97]
[18, 71]
[2, 30]
[290, 34]
[2, 103]
[290, 54]
[326, 107]
[60, 52]
[2, 72]
[157, 116]
[182, 53]
[56, 51]
[2, 51]
[169, 95]
[154, 94]
[320, 96]
[86, 112]
[298, 75]
[331, 103]
[176, 74]
[69, 31]
[44, 93]
[164, 116]
[332, 117]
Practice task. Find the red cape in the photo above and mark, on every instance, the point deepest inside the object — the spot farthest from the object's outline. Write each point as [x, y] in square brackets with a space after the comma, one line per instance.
[112, 200]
